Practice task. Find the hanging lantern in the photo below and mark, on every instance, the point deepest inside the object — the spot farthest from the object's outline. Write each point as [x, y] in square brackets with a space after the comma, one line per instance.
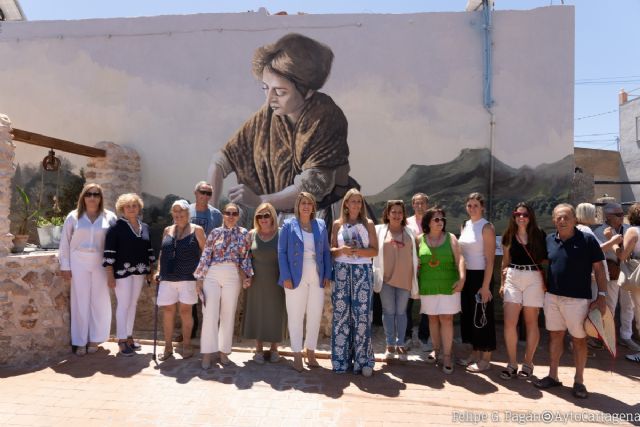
[51, 163]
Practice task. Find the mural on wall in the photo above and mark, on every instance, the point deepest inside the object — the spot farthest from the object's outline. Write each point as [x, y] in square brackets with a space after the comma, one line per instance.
[180, 88]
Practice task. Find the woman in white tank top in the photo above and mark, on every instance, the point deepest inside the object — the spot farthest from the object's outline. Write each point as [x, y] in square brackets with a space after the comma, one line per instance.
[477, 324]
[631, 249]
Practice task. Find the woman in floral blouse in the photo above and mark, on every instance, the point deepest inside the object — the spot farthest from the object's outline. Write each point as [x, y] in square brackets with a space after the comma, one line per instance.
[224, 266]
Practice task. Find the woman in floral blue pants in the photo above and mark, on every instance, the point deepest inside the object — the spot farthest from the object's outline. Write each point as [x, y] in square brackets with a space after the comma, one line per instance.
[353, 243]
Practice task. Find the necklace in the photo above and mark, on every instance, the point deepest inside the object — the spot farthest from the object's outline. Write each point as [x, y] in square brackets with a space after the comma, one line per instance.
[266, 235]
[179, 234]
[434, 261]
[306, 227]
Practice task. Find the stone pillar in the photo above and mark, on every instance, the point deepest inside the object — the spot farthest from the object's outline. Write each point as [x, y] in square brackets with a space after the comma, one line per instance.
[7, 170]
[117, 173]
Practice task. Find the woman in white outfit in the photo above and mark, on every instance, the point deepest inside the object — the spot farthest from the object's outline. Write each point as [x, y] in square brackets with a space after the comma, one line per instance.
[128, 259]
[224, 268]
[80, 255]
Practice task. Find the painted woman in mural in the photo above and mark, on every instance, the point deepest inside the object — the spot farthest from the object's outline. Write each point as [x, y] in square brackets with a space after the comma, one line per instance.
[297, 141]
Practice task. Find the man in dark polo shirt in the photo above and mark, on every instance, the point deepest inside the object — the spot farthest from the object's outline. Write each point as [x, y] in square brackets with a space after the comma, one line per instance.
[572, 256]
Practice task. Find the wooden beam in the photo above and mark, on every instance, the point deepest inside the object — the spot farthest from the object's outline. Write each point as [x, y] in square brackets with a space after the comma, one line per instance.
[56, 144]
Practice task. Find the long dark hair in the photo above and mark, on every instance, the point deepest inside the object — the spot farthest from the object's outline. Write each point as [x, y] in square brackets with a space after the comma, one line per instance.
[535, 236]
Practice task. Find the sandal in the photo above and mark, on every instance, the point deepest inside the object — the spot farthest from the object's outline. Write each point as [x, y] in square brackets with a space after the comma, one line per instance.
[465, 362]
[168, 352]
[526, 371]
[509, 373]
[547, 382]
[479, 366]
[580, 391]
[187, 352]
[447, 368]
[433, 356]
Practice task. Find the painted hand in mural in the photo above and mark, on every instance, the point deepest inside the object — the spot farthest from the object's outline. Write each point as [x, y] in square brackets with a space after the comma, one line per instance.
[242, 195]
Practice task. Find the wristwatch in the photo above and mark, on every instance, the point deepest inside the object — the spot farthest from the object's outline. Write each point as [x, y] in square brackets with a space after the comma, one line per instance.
[602, 293]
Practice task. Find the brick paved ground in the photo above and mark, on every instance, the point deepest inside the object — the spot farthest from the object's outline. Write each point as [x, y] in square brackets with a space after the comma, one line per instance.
[104, 390]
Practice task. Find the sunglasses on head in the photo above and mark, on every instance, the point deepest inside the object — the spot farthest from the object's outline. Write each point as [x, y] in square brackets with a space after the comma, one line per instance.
[266, 215]
[91, 194]
[205, 192]
[439, 219]
[231, 213]
[520, 214]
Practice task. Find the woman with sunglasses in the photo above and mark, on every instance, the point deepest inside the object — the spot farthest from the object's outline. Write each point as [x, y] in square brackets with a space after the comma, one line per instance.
[182, 244]
[441, 279]
[394, 271]
[80, 256]
[128, 259]
[477, 324]
[265, 310]
[353, 244]
[305, 270]
[224, 268]
[522, 286]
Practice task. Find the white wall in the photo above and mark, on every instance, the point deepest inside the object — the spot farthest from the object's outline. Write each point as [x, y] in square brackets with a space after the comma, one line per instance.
[176, 87]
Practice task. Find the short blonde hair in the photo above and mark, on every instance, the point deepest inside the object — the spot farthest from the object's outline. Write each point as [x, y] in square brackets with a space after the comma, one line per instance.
[127, 198]
[296, 206]
[362, 216]
[262, 206]
[586, 213]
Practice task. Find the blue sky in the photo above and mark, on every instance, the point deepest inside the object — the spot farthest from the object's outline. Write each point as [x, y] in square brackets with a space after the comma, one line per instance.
[607, 35]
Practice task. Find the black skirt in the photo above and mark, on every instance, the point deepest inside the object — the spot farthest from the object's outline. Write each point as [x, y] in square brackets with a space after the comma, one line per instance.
[481, 338]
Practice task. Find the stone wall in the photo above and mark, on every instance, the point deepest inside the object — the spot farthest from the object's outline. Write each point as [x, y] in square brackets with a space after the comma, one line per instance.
[34, 310]
[117, 173]
[7, 170]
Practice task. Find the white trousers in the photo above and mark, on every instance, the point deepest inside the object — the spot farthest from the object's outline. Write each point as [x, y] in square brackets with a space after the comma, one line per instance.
[307, 298]
[221, 289]
[90, 300]
[629, 307]
[127, 294]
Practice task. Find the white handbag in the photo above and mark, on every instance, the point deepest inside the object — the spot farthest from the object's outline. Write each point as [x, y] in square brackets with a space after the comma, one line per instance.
[629, 278]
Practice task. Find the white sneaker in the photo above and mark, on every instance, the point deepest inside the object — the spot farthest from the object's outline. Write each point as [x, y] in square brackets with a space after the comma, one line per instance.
[390, 353]
[367, 371]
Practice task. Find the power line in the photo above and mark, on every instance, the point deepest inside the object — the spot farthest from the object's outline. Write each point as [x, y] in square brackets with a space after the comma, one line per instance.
[596, 115]
[609, 78]
[595, 134]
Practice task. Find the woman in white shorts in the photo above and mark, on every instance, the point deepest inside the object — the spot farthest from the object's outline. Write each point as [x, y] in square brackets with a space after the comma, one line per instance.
[441, 278]
[182, 244]
[522, 285]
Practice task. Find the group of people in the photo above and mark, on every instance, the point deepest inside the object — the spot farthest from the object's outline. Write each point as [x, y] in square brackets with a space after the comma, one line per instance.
[205, 254]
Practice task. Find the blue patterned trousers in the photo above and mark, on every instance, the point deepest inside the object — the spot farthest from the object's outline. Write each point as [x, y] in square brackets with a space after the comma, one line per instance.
[351, 297]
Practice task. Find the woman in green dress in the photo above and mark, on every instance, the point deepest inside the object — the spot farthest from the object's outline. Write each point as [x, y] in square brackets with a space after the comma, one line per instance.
[265, 311]
[440, 279]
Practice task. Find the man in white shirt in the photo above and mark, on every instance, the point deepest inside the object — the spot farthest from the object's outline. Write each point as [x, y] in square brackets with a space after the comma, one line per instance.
[420, 204]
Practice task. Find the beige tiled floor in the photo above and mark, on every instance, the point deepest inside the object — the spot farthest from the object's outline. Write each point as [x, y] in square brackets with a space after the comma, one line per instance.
[105, 390]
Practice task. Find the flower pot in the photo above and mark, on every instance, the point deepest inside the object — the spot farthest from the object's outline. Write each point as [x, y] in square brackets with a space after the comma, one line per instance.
[49, 236]
[19, 243]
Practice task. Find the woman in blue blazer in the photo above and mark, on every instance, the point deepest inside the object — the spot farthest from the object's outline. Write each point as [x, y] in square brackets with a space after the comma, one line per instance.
[305, 265]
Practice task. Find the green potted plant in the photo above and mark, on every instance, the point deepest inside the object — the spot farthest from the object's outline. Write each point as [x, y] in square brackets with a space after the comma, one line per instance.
[49, 231]
[25, 215]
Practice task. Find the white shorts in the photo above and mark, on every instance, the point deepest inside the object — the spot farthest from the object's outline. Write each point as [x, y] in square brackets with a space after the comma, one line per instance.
[524, 287]
[172, 292]
[436, 305]
[566, 313]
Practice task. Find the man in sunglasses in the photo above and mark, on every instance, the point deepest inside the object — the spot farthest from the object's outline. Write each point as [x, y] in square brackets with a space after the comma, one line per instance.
[201, 212]
[614, 224]
[207, 217]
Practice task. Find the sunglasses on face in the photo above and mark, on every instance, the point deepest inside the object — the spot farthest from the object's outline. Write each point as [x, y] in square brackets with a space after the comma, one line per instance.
[90, 194]
[617, 214]
[439, 219]
[231, 213]
[263, 216]
[521, 215]
[205, 192]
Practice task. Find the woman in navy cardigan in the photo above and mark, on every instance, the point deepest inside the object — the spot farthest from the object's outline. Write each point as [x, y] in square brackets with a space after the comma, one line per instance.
[305, 269]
